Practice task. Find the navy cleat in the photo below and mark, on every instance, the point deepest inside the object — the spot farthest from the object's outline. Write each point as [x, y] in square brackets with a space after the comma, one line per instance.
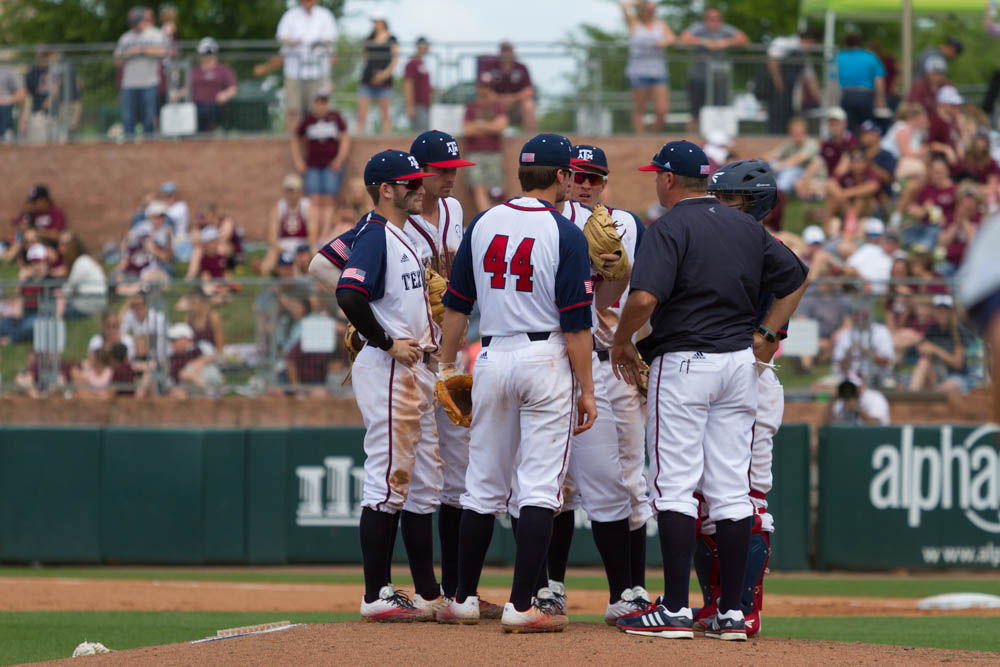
[659, 622]
[729, 626]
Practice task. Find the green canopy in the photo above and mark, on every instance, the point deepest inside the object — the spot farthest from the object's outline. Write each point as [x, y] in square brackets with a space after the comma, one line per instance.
[878, 9]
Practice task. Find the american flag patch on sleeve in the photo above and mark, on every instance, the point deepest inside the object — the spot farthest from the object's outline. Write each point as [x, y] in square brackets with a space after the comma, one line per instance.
[340, 248]
[588, 286]
[354, 274]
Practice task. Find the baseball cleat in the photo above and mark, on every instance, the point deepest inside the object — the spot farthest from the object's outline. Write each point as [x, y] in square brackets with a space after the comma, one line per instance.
[558, 590]
[489, 611]
[542, 616]
[659, 622]
[629, 604]
[429, 608]
[729, 626]
[466, 613]
[752, 623]
[392, 606]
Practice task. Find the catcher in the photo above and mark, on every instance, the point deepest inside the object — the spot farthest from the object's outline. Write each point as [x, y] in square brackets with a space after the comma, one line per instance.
[595, 479]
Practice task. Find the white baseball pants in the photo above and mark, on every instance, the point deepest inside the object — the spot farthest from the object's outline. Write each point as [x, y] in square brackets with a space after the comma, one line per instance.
[699, 422]
[402, 467]
[523, 412]
[455, 454]
[770, 410]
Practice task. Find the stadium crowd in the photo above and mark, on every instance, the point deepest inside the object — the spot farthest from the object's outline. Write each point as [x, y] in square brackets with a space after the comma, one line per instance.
[893, 187]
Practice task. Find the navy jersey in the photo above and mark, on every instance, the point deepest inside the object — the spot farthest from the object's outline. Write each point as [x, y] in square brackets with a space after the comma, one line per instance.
[528, 267]
[707, 265]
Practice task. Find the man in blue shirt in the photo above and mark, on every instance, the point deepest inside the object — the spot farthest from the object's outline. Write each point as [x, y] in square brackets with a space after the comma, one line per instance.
[862, 81]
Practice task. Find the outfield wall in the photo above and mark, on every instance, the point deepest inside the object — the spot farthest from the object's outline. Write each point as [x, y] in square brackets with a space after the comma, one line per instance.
[888, 497]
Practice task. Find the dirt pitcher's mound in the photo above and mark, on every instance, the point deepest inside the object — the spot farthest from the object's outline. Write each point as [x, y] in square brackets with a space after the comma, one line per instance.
[484, 644]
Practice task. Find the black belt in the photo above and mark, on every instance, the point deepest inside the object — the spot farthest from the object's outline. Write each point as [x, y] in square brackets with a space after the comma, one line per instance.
[427, 358]
[533, 336]
[603, 355]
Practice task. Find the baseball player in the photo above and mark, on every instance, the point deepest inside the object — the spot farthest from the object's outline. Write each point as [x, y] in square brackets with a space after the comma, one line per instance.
[528, 267]
[438, 229]
[748, 186]
[697, 278]
[381, 291]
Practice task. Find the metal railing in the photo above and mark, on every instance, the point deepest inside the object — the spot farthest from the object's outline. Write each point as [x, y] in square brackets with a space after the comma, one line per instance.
[257, 336]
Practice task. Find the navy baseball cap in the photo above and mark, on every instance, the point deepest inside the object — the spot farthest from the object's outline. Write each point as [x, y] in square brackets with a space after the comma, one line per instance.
[680, 157]
[547, 150]
[435, 148]
[590, 156]
[871, 126]
[389, 166]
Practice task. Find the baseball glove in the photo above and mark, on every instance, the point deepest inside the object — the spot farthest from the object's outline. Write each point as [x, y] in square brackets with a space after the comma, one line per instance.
[353, 342]
[436, 286]
[642, 380]
[455, 396]
[603, 239]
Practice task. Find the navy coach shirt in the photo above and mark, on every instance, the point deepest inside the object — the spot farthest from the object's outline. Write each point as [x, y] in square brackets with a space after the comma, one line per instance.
[707, 264]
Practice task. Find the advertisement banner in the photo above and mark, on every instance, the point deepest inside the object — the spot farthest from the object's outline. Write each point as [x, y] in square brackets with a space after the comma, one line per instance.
[909, 496]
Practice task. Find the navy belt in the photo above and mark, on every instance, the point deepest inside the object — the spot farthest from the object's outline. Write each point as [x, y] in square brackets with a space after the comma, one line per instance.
[603, 355]
[427, 358]
[533, 336]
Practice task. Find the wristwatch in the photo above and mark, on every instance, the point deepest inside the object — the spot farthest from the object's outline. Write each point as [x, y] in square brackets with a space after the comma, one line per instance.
[768, 335]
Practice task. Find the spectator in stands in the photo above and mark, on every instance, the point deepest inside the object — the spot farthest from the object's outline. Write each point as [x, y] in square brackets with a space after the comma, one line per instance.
[86, 287]
[123, 375]
[857, 404]
[42, 214]
[646, 69]
[883, 162]
[381, 55]
[301, 367]
[830, 307]
[511, 82]
[213, 264]
[356, 201]
[307, 33]
[790, 70]
[212, 84]
[12, 94]
[138, 52]
[956, 236]
[855, 193]
[942, 365]
[979, 167]
[865, 348]
[293, 222]
[891, 65]
[178, 217]
[94, 376]
[170, 76]
[36, 123]
[191, 364]
[873, 260]
[862, 81]
[924, 89]
[950, 49]
[832, 159]
[790, 158]
[907, 314]
[146, 250]
[933, 206]
[906, 140]
[711, 37]
[34, 383]
[205, 322]
[485, 121]
[320, 148]
[417, 88]
[18, 324]
[146, 327]
[943, 134]
[230, 237]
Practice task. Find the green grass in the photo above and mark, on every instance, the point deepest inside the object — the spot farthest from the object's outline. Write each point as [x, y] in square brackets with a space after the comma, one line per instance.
[828, 585]
[47, 635]
[31, 636]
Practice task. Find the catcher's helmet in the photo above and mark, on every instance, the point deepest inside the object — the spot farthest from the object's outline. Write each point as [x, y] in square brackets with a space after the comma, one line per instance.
[753, 180]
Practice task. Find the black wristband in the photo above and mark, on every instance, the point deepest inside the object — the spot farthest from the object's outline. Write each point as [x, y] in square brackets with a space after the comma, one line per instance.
[768, 335]
[386, 343]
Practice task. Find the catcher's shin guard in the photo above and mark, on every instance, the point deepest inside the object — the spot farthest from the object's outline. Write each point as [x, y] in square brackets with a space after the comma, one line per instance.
[706, 566]
[752, 598]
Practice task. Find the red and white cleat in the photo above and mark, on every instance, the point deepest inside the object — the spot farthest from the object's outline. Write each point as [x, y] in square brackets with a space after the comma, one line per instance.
[392, 606]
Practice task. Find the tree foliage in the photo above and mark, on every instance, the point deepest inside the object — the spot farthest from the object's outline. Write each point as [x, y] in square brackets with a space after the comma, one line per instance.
[77, 21]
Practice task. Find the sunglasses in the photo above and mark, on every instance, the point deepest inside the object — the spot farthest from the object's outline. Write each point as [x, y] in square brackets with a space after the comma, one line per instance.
[411, 184]
[581, 177]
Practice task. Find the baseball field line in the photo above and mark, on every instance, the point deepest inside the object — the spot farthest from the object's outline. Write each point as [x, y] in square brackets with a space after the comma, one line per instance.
[32, 636]
[796, 584]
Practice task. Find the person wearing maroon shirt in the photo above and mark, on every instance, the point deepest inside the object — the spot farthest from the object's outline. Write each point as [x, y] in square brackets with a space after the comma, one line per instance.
[956, 236]
[855, 191]
[924, 90]
[41, 214]
[212, 264]
[511, 81]
[943, 134]
[323, 134]
[187, 359]
[485, 121]
[840, 142]
[212, 85]
[933, 205]
[980, 167]
[18, 325]
[417, 89]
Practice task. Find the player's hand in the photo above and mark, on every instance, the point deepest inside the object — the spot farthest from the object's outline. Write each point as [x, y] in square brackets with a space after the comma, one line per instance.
[609, 260]
[763, 350]
[405, 351]
[446, 371]
[625, 362]
[586, 412]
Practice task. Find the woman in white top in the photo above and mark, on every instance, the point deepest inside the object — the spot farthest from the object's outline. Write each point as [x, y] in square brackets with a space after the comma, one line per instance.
[906, 140]
[86, 287]
[646, 69]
